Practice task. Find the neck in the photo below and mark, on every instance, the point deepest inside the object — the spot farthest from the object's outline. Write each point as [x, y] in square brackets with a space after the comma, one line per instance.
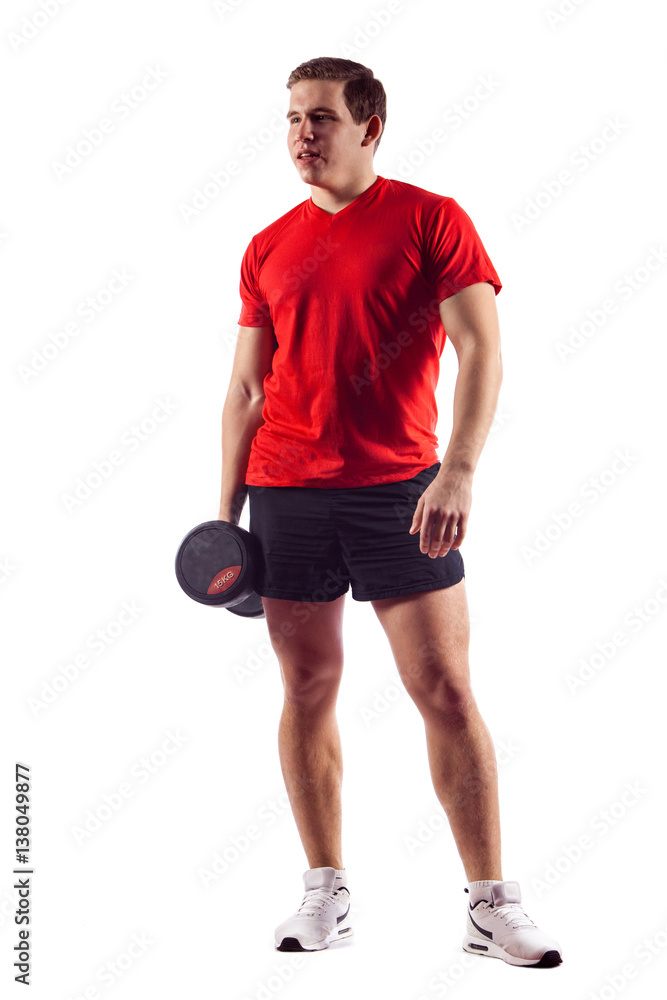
[331, 199]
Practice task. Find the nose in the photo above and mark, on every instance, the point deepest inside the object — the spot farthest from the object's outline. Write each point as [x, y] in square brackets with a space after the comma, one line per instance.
[303, 131]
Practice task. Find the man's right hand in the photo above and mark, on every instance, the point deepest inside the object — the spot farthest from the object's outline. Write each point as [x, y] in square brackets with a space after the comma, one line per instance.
[231, 511]
[227, 515]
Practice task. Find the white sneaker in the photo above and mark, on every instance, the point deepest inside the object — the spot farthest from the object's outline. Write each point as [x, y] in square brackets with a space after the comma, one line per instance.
[323, 916]
[498, 927]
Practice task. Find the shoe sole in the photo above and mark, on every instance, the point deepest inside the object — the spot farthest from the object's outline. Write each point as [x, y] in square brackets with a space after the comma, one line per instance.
[293, 943]
[489, 950]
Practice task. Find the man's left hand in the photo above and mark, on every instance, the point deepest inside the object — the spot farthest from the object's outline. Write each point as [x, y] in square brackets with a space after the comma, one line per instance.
[442, 513]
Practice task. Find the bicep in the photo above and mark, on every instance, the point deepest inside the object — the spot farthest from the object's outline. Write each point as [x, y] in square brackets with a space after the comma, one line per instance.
[470, 317]
[253, 358]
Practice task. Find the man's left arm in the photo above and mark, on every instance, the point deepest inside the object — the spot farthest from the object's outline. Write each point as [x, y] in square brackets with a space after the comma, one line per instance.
[470, 319]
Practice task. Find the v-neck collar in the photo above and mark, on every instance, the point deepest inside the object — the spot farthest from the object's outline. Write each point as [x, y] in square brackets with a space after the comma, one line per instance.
[320, 213]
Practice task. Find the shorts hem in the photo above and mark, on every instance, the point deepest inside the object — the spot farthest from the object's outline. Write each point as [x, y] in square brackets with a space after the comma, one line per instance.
[282, 596]
[439, 585]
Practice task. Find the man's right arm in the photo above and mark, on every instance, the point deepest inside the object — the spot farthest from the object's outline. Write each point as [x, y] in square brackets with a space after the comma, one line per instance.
[242, 414]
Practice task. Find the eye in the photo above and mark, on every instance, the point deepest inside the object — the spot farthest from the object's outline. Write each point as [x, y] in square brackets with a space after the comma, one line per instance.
[317, 116]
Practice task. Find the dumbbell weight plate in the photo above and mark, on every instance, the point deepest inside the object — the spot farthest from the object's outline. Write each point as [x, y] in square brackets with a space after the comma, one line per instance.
[217, 563]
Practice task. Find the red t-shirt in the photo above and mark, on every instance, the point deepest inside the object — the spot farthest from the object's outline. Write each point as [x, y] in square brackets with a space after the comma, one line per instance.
[353, 300]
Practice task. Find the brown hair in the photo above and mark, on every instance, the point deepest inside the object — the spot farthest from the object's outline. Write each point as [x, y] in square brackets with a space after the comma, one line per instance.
[364, 96]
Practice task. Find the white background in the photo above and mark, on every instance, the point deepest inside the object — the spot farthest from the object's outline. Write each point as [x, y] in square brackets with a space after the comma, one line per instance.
[178, 667]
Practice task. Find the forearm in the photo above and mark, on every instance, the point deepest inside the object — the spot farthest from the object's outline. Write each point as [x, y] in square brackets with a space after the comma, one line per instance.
[475, 401]
[241, 418]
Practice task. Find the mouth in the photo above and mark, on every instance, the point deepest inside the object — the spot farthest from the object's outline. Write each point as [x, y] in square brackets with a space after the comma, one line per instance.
[308, 156]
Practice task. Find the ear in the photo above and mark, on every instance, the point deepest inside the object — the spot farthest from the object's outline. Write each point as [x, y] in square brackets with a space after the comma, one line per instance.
[374, 127]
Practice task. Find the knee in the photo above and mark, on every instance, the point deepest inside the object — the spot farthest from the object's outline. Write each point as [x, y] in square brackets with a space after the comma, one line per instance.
[438, 691]
[311, 685]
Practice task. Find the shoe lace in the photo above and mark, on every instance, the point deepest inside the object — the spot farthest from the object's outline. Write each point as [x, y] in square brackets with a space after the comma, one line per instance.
[513, 914]
[314, 900]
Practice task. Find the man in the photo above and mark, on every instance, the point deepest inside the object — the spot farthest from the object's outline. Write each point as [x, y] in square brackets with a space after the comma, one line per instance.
[329, 428]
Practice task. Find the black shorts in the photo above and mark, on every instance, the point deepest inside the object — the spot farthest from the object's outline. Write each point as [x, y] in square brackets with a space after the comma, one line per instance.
[316, 542]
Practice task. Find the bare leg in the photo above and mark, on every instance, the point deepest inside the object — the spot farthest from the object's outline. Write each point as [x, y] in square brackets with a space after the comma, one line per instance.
[311, 665]
[429, 635]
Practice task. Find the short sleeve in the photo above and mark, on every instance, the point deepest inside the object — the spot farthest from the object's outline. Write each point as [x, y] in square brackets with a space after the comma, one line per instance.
[454, 255]
[254, 310]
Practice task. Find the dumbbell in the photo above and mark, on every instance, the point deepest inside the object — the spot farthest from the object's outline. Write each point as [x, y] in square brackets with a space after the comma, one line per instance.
[217, 564]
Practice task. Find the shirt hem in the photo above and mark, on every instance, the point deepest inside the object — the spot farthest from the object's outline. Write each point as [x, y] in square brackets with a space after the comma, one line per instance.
[319, 483]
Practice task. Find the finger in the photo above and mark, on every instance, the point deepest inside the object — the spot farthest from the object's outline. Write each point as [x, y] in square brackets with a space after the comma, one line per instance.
[416, 520]
[445, 549]
[460, 531]
[443, 536]
[425, 540]
[435, 539]
[430, 540]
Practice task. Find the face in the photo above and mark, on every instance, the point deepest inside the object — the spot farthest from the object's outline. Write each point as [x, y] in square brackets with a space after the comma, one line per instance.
[320, 122]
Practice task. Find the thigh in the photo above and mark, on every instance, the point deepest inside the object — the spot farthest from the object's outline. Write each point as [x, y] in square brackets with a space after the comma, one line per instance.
[429, 634]
[382, 557]
[308, 640]
[301, 556]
